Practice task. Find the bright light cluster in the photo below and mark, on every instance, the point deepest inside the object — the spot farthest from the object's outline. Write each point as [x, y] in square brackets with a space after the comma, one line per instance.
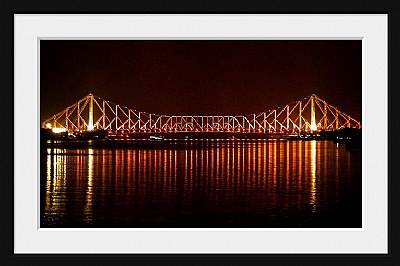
[313, 127]
[58, 130]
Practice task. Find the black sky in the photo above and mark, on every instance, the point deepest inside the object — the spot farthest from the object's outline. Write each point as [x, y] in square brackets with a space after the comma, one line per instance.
[200, 77]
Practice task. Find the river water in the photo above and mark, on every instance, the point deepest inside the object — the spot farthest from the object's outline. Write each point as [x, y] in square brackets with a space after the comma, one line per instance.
[202, 184]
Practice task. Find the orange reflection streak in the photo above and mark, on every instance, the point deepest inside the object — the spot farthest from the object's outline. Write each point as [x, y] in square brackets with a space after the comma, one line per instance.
[145, 168]
[257, 163]
[270, 164]
[155, 162]
[248, 175]
[253, 164]
[233, 176]
[325, 159]
[207, 168]
[200, 160]
[287, 158]
[191, 172]
[337, 169]
[245, 164]
[150, 174]
[78, 165]
[165, 156]
[186, 172]
[89, 192]
[294, 169]
[231, 172]
[221, 168]
[167, 169]
[111, 158]
[137, 165]
[156, 169]
[153, 165]
[236, 165]
[58, 181]
[293, 160]
[235, 154]
[212, 169]
[307, 160]
[201, 166]
[153, 173]
[175, 168]
[248, 164]
[117, 164]
[204, 170]
[265, 164]
[229, 167]
[166, 172]
[128, 167]
[275, 164]
[300, 170]
[325, 166]
[318, 164]
[260, 155]
[103, 171]
[217, 177]
[197, 167]
[239, 164]
[133, 166]
[60, 166]
[313, 155]
[143, 174]
[49, 183]
[318, 159]
[142, 170]
[159, 176]
[123, 166]
[161, 164]
[169, 174]
[217, 164]
[139, 168]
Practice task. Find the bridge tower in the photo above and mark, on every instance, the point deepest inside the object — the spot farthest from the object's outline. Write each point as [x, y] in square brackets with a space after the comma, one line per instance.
[313, 125]
[90, 124]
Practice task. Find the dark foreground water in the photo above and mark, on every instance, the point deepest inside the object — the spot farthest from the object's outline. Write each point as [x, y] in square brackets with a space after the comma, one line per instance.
[230, 183]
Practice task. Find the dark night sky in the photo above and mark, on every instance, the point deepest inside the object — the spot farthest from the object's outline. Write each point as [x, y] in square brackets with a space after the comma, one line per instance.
[200, 77]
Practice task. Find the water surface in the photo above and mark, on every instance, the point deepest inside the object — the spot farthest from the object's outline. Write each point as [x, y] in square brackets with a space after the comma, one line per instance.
[203, 183]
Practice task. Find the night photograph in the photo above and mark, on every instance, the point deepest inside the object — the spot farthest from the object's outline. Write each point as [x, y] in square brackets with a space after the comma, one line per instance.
[200, 133]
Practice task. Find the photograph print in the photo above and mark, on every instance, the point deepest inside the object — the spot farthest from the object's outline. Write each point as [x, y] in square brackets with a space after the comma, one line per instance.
[200, 133]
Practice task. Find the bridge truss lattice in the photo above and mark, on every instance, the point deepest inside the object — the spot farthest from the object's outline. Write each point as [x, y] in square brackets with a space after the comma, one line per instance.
[306, 115]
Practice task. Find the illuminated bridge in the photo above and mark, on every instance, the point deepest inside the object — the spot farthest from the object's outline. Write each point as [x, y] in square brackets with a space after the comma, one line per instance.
[92, 113]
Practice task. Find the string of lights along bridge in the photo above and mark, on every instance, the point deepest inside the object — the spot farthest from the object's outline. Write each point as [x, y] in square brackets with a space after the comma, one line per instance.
[92, 113]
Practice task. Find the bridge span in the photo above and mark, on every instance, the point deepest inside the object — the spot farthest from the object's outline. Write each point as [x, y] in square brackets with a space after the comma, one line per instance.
[91, 113]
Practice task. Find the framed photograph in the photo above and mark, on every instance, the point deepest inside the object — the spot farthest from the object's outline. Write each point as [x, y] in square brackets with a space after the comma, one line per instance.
[105, 165]
[221, 134]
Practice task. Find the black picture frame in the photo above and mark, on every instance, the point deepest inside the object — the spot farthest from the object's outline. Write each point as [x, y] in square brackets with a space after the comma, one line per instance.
[200, 7]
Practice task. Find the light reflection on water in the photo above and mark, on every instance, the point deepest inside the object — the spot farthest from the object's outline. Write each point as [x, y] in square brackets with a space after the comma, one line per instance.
[224, 184]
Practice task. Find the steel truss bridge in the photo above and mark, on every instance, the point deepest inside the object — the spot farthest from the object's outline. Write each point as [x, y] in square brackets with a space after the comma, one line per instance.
[306, 115]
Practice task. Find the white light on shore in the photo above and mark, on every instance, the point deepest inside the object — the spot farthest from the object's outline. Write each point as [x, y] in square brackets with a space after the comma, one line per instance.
[58, 130]
[313, 127]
